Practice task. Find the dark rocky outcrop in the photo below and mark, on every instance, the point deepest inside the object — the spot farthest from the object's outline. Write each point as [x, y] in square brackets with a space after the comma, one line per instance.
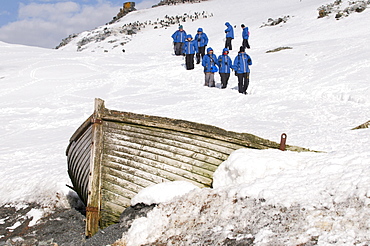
[127, 8]
[339, 11]
[275, 22]
[66, 40]
[279, 49]
[363, 126]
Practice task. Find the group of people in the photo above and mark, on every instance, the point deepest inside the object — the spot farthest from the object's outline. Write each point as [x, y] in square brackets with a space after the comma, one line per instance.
[185, 45]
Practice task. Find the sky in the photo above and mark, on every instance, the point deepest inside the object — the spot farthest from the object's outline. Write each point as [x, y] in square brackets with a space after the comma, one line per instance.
[45, 23]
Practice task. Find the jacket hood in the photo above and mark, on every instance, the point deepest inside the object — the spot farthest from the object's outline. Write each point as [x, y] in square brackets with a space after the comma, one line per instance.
[189, 36]
[227, 24]
[209, 49]
[225, 50]
[200, 29]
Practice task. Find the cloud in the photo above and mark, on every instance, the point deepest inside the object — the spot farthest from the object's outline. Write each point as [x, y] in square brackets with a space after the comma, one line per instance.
[4, 13]
[48, 11]
[46, 24]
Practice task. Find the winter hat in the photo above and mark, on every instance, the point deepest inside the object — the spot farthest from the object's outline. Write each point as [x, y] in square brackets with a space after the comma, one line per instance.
[180, 27]
[242, 26]
[200, 29]
[209, 49]
[242, 49]
[227, 24]
[189, 36]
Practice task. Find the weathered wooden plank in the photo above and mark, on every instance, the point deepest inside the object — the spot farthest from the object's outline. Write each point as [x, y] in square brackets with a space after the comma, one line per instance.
[149, 167]
[116, 199]
[78, 159]
[130, 176]
[81, 130]
[94, 198]
[113, 206]
[128, 166]
[124, 182]
[245, 139]
[179, 155]
[162, 157]
[80, 145]
[113, 194]
[185, 139]
[198, 156]
[79, 163]
[161, 168]
[82, 165]
[111, 213]
[176, 156]
[191, 141]
[74, 158]
[161, 163]
[84, 181]
[71, 155]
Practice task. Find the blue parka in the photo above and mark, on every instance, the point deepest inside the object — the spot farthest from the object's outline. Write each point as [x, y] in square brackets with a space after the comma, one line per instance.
[209, 61]
[201, 39]
[241, 63]
[224, 62]
[245, 33]
[229, 30]
[190, 47]
[179, 36]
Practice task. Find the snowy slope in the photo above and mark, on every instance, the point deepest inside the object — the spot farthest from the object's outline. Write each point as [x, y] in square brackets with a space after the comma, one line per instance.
[315, 92]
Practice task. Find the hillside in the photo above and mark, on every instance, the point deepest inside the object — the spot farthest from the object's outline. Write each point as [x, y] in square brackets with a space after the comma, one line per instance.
[315, 91]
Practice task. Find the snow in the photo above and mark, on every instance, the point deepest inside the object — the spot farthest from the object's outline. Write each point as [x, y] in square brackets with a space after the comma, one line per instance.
[315, 92]
[163, 192]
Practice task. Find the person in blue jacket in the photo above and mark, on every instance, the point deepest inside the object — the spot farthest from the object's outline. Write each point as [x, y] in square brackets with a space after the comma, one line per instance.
[245, 35]
[241, 66]
[229, 35]
[224, 63]
[202, 41]
[209, 63]
[189, 49]
[178, 40]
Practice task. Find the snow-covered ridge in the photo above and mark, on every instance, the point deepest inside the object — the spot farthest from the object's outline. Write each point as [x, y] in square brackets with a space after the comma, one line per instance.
[116, 34]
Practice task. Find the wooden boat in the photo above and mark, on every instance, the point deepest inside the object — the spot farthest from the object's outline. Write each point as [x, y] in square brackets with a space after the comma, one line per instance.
[113, 155]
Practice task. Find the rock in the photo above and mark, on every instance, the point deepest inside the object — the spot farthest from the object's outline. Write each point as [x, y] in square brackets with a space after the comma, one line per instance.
[62, 227]
[134, 212]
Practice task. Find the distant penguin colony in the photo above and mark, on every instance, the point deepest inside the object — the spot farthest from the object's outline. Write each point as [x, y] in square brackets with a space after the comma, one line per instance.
[174, 2]
[167, 21]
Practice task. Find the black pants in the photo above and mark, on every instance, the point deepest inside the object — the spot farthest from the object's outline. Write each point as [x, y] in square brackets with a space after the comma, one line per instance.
[224, 79]
[189, 60]
[178, 48]
[243, 79]
[228, 43]
[246, 44]
[201, 53]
